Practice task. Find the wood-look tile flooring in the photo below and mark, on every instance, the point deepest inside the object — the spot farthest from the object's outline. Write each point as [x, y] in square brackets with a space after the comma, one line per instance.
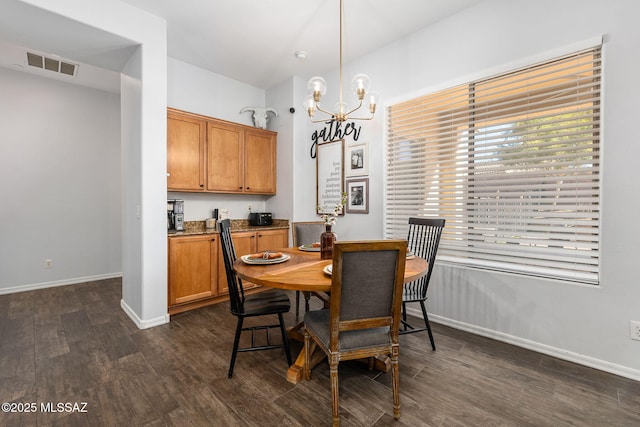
[74, 344]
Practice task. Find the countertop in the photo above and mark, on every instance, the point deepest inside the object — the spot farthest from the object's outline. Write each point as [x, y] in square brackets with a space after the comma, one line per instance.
[194, 228]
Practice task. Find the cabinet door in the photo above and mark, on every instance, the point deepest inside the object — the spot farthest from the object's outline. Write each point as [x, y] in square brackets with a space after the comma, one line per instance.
[272, 239]
[193, 268]
[185, 152]
[259, 162]
[244, 242]
[224, 154]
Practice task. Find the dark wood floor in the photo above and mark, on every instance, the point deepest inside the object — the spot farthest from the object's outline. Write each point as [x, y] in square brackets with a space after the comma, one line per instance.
[74, 344]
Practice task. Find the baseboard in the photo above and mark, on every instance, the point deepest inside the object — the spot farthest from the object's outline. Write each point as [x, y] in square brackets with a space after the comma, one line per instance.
[143, 324]
[559, 353]
[56, 283]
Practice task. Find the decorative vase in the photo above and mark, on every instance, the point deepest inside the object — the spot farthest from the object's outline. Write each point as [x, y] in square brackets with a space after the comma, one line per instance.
[326, 243]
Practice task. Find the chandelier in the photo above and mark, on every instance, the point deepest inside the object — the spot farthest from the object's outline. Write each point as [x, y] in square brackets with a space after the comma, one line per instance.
[360, 85]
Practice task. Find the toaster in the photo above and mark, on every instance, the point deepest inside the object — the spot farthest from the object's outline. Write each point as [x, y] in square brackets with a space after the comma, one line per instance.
[260, 218]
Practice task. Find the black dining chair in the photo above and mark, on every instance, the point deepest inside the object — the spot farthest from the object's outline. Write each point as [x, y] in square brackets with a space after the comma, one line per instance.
[363, 318]
[305, 233]
[424, 239]
[265, 303]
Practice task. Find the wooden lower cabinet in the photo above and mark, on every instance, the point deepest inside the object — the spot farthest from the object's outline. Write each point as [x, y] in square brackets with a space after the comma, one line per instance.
[197, 276]
[193, 268]
[272, 239]
[248, 242]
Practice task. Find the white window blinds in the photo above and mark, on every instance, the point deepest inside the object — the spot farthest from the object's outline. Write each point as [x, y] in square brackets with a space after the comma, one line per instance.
[511, 162]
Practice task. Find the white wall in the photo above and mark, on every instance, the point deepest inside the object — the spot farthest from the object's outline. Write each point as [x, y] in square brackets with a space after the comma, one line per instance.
[132, 248]
[279, 98]
[199, 91]
[143, 131]
[60, 183]
[583, 323]
[304, 166]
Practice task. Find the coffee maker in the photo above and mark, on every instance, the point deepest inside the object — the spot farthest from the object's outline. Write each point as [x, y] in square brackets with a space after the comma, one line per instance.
[175, 215]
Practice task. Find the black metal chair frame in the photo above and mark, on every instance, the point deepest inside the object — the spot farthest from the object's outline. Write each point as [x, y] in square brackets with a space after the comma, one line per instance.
[270, 302]
[424, 239]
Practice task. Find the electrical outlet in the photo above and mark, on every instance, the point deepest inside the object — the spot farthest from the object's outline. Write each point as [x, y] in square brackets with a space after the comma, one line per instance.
[48, 263]
[634, 330]
[249, 207]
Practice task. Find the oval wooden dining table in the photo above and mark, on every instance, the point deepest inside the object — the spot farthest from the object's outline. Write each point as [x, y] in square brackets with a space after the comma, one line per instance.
[303, 271]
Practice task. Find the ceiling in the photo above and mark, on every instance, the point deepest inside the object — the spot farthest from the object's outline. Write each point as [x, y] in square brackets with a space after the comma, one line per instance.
[254, 41]
[247, 40]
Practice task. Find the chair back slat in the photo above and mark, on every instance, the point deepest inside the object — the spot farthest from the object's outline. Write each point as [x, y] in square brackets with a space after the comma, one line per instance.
[236, 291]
[424, 239]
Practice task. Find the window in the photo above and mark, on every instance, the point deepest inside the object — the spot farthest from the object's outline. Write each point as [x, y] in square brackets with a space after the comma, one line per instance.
[511, 162]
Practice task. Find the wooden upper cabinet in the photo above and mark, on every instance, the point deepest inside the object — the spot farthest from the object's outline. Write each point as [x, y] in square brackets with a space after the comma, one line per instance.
[224, 158]
[185, 152]
[259, 162]
[211, 155]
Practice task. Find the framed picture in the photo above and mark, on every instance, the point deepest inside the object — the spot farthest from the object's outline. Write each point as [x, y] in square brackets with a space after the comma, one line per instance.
[357, 159]
[358, 195]
[329, 176]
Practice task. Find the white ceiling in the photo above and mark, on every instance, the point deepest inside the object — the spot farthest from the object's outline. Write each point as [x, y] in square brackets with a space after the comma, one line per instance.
[252, 41]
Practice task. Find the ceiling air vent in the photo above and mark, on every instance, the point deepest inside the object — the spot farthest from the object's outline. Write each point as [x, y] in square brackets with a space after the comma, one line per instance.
[51, 64]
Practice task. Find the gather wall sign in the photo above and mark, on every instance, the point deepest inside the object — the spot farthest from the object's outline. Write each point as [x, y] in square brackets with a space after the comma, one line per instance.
[331, 132]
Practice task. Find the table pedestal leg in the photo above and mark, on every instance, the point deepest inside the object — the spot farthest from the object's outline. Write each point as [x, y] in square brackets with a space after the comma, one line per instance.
[296, 332]
[295, 374]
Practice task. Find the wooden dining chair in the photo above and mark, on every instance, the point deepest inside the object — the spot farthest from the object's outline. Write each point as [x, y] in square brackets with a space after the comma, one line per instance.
[363, 318]
[265, 303]
[424, 239]
[305, 233]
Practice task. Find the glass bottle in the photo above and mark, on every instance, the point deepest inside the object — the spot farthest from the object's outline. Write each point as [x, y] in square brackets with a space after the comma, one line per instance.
[326, 242]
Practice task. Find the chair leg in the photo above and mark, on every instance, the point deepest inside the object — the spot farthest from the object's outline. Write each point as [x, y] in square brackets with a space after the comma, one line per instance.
[307, 297]
[236, 342]
[333, 371]
[395, 381]
[426, 322]
[404, 316]
[285, 339]
[297, 305]
[307, 356]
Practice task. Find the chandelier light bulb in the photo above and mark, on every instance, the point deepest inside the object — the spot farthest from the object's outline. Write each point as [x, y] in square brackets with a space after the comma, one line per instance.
[373, 99]
[309, 105]
[342, 107]
[360, 85]
[317, 87]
